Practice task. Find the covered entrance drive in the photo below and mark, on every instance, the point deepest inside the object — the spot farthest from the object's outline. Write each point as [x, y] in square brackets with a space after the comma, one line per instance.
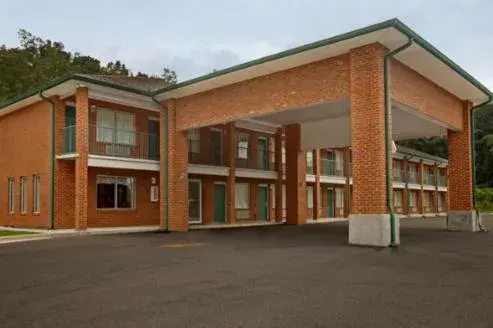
[363, 90]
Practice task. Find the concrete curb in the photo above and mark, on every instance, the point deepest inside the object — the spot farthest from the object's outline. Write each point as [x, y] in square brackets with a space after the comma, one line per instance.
[10, 240]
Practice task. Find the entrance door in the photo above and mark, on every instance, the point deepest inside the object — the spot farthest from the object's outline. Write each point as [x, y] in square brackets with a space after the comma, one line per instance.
[69, 130]
[216, 147]
[219, 203]
[262, 203]
[330, 202]
[153, 129]
[194, 201]
[262, 157]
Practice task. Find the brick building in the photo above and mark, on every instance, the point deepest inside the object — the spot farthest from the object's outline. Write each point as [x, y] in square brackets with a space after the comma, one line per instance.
[305, 134]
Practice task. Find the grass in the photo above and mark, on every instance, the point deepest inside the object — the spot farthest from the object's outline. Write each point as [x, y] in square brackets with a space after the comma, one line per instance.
[9, 233]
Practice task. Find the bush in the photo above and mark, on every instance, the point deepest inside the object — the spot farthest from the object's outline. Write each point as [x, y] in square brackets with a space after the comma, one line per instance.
[484, 199]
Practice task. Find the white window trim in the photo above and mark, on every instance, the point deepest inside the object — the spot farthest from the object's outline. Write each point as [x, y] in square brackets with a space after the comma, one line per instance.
[309, 196]
[238, 205]
[242, 149]
[101, 137]
[116, 208]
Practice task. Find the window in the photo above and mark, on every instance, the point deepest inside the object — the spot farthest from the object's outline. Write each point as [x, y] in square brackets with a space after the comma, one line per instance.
[426, 199]
[242, 142]
[242, 201]
[413, 173]
[115, 192]
[339, 161]
[309, 196]
[397, 169]
[11, 195]
[398, 198]
[412, 198]
[273, 195]
[440, 200]
[339, 198]
[23, 195]
[154, 194]
[194, 141]
[36, 194]
[115, 127]
[309, 162]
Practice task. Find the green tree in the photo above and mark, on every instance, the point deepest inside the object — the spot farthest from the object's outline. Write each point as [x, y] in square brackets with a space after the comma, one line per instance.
[169, 75]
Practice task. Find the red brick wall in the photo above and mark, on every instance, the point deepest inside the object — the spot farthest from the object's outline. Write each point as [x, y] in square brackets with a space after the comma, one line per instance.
[412, 89]
[65, 194]
[368, 130]
[145, 213]
[24, 151]
[301, 86]
[460, 165]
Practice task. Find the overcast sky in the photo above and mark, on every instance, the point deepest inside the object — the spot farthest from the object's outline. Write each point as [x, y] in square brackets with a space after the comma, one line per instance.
[194, 37]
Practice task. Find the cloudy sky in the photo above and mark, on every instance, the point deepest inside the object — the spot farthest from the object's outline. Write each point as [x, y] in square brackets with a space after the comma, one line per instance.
[194, 37]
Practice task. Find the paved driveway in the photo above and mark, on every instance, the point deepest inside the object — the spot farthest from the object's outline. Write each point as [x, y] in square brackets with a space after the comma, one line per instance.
[264, 277]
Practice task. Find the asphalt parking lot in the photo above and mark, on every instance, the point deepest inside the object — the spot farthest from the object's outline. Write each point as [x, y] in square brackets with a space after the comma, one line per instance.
[279, 276]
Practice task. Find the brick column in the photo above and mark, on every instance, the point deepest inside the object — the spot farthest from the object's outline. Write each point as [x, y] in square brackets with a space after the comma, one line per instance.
[316, 187]
[231, 182]
[82, 148]
[347, 185]
[296, 206]
[421, 175]
[369, 222]
[278, 187]
[163, 165]
[461, 214]
[177, 173]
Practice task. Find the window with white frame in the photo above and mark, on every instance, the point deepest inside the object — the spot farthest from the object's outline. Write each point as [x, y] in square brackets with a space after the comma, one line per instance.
[115, 127]
[412, 198]
[397, 169]
[339, 161]
[413, 173]
[11, 192]
[36, 194]
[23, 202]
[242, 144]
[309, 161]
[309, 196]
[339, 198]
[115, 192]
[398, 198]
[242, 195]
[194, 141]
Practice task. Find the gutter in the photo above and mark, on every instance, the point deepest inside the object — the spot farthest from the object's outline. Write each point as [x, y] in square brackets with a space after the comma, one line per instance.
[52, 160]
[165, 159]
[388, 106]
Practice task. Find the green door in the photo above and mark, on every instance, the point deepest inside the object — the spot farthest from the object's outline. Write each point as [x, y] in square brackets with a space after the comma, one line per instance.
[69, 130]
[262, 203]
[330, 202]
[216, 147]
[153, 129]
[219, 203]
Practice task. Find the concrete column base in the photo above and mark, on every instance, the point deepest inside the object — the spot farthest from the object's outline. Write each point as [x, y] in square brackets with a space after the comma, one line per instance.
[463, 221]
[371, 229]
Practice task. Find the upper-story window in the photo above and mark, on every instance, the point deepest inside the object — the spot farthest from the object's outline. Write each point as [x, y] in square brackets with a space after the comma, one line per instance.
[194, 140]
[242, 143]
[309, 161]
[115, 127]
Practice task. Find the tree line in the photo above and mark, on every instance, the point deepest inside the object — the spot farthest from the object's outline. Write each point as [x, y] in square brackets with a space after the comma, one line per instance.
[36, 61]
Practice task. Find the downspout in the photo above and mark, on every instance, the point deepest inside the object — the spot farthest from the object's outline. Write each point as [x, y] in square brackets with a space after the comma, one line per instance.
[52, 160]
[473, 159]
[388, 106]
[165, 159]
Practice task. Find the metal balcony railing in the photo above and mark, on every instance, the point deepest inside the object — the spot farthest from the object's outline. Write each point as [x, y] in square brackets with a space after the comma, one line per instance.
[205, 153]
[331, 167]
[429, 179]
[255, 158]
[413, 177]
[442, 181]
[123, 143]
[68, 135]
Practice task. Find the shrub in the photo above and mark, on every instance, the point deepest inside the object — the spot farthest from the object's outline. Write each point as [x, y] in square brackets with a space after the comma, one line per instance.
[484, 199]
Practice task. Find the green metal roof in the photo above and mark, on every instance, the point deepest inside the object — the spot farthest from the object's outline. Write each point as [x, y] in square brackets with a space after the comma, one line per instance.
[416, 153]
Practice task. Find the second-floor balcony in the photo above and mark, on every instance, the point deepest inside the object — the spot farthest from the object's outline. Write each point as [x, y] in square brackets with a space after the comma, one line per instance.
[255, 158]
[112, 142]
[331, 167]
[413, 177]
[429, 179]
[442, 180]
[397, 175]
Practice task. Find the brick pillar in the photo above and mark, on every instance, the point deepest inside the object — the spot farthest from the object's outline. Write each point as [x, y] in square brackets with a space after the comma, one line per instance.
[347, 185]
[177, 173]
[316, 186]
[421, 176]
[163, 165]
[82, 148]
[207, 201]
[231, 182]
[278, 187]
[369, 222]
[296, 206]
[461, 214]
